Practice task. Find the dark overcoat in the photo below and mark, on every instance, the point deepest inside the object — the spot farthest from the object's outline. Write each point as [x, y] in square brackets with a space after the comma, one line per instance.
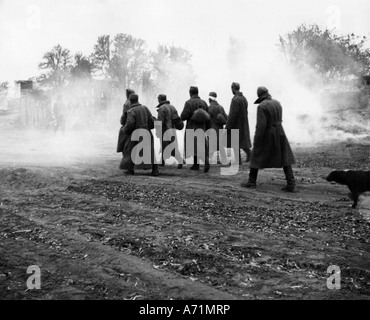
[138, 117]
[191, 105]
[271, 148]
[167, 112]
[214, 109]
[121, 138]
[238, 119]
[165, 115]
[126, 108]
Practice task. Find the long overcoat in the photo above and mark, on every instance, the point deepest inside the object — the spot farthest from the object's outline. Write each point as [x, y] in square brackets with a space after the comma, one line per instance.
[214, 109]
[126, 108]
[122, 139]
[191, 105]
[238, 119]
[166, 113]
[138, 117]
[271, 148]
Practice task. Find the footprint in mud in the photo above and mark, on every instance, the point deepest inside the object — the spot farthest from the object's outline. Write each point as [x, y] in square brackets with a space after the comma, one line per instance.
[364, 207]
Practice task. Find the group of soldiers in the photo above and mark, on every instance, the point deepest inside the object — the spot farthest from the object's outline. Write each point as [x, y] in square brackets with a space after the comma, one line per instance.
[271, 148]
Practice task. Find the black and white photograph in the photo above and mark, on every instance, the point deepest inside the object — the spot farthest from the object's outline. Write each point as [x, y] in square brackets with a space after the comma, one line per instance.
[203, 152]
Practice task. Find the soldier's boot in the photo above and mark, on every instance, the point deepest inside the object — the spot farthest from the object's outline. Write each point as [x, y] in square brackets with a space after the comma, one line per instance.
[291, 183]
[129, 172]
[206, 165]
[121, 166]
[155, 171]
[206, 160]
[252, 180]
[195, 166]
[218, 158]
[179, 166]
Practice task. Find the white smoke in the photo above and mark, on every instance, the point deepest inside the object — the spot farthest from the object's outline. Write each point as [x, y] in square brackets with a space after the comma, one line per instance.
[307, 119]
[309, 109]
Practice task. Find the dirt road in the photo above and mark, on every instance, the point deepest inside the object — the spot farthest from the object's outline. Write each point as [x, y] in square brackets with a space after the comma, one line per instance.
[98, 234]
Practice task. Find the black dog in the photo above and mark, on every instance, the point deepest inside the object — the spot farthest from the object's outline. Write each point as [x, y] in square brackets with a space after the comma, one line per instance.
[357, 182]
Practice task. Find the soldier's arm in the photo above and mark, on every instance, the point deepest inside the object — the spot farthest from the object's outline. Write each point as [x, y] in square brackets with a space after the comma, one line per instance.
[124, 114]
[161, 116]
[233, 115]
[130, 123]
[186, 113]
[260, 127]
[206, 106]
[150, 120]
[174, 114]
[123, 119]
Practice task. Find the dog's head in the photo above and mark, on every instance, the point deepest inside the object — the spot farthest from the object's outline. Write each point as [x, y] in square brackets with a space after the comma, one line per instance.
[337, 176]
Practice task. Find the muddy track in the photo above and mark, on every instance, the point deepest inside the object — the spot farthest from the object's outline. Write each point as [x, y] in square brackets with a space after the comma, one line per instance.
[97, 234]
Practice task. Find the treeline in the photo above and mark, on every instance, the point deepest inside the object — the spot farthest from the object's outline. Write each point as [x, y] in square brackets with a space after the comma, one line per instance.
[321, 54]
[124, 60]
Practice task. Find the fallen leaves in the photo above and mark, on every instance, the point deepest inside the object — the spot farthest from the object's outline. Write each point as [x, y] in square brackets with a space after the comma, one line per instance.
[203, 237]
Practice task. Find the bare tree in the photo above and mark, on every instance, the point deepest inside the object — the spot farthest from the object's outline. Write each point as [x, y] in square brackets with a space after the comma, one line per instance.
[333, 57]
[130, 60]
[169, 63]
[4, 87]
[82, 67]
[57, 64]
[102, 56]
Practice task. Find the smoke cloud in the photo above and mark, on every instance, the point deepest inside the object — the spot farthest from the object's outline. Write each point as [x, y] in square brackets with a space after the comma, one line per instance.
[311, 113]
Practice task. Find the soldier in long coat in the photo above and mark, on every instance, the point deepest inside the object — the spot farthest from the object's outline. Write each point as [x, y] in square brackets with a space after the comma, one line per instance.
[122, 140]
[138, 117]
[271, 148]
[214, 110]
[191, 105]
[166, 113]
[126, 106]
[238, 119]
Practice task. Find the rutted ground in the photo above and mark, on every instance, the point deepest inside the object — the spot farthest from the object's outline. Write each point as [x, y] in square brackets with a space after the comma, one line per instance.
[97, 234]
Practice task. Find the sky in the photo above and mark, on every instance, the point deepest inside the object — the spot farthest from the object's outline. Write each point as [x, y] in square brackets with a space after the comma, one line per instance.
[29, 28]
